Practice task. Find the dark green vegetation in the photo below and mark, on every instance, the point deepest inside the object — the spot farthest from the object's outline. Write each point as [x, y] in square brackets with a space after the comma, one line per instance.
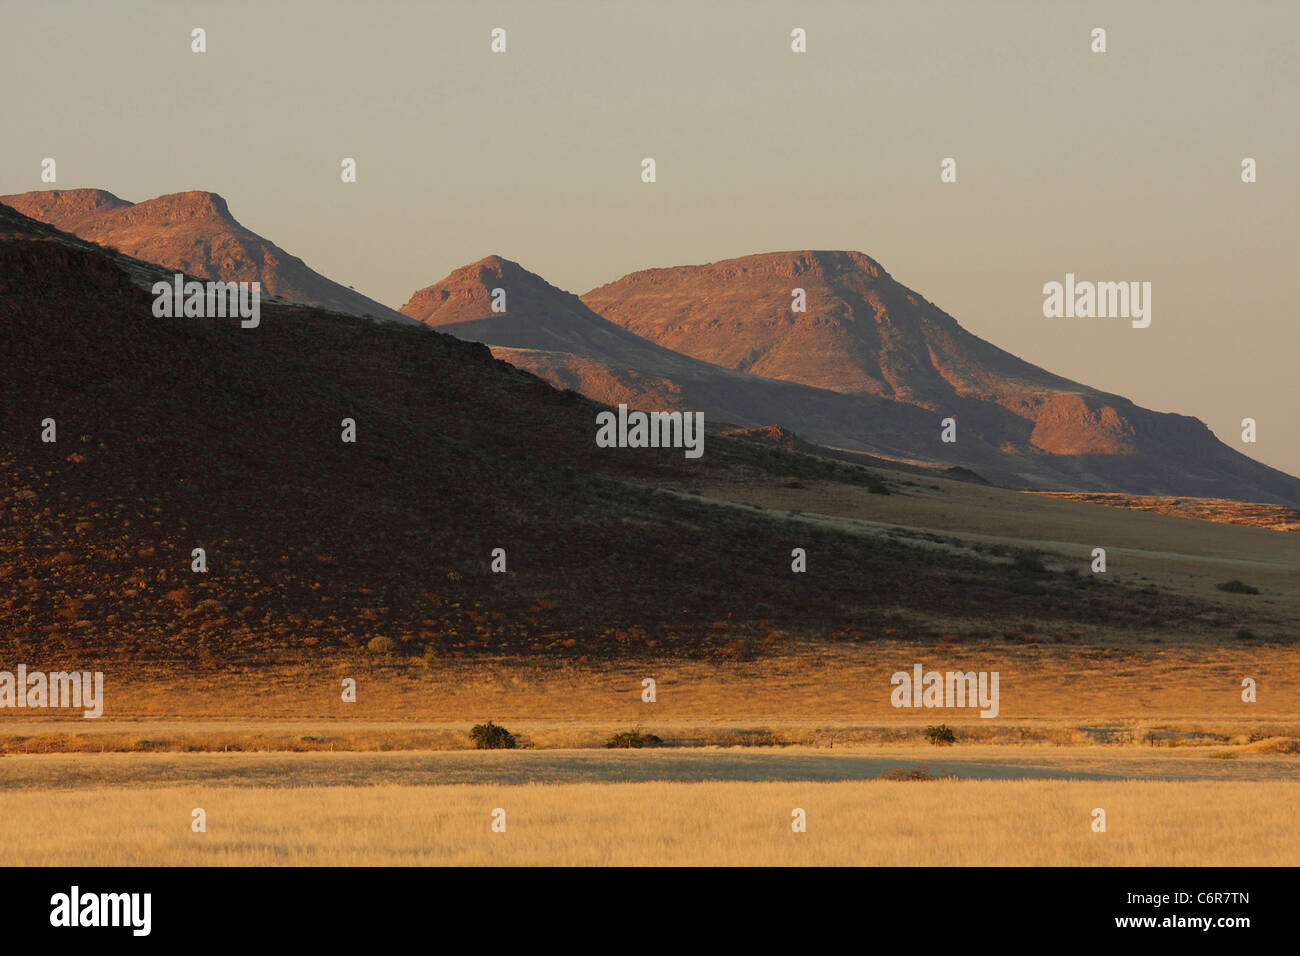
[489, 736]
[940, 735]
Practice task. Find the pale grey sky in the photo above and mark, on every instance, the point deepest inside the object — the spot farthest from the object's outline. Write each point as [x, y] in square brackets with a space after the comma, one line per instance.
[1115, 166]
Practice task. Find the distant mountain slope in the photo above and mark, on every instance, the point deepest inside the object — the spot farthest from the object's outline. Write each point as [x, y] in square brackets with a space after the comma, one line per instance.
[552, 334]
[193, 232]
[861, 332]
[461, 305]
[865, 334]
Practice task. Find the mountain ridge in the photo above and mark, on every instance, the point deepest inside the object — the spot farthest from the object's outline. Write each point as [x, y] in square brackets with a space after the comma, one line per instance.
[872, 367]
[196, 233]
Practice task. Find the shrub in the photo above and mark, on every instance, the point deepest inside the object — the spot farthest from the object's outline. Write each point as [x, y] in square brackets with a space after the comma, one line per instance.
[491, 737]
[430, 655]
[382, 645]
[628, 739]
[940, 735]
[1236, 587]
[1245, 635]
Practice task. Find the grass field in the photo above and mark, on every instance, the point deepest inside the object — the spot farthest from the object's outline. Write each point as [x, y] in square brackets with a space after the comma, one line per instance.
[874, 823]
[989, 804]
[1046, 673]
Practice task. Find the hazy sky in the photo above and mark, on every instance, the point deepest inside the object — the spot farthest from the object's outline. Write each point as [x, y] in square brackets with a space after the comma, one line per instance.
[1116, 166]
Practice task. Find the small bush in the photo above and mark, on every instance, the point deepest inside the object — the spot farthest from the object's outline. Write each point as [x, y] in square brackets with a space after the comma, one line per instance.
[430, 655]
[382, 645]
[1245, 635]
[632, 739]
[491, 737]
[940, 735]
[1236, 587]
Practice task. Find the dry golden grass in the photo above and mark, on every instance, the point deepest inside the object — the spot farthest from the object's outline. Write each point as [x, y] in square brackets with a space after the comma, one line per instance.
[1046, 673]
[188, 735]
[1273, 745]
[875, 823]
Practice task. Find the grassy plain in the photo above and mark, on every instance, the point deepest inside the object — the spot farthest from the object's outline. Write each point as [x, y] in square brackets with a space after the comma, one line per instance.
[874, 823]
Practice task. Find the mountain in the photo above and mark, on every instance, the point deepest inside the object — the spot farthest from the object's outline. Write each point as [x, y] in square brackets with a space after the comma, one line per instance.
[552, 334]
[461, 305]
[192, 232]
[864, 334]
[182, 433]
